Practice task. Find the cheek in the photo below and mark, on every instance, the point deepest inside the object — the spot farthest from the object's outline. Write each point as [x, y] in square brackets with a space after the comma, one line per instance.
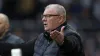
[49, 23]
[2, 28]
[52, 23]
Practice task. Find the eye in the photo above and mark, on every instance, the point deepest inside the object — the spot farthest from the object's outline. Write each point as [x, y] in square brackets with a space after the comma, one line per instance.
[46, 16]
[49, 15]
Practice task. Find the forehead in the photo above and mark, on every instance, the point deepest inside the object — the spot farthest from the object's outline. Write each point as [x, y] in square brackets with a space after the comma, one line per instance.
[50, 11]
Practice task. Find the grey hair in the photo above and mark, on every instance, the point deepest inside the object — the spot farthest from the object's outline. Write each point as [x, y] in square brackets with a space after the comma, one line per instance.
[59, 8]
[5, 18]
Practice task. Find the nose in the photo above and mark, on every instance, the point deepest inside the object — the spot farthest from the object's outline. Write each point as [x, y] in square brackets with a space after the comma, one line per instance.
[43, 19]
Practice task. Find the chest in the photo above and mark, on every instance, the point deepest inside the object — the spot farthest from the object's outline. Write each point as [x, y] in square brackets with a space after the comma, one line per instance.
[43, 47]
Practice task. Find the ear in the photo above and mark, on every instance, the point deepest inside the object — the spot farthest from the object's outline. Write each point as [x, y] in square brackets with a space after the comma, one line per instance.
[68, 17]
[61, 19]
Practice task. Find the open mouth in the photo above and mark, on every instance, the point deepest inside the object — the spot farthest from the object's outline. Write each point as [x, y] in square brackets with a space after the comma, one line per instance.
[45, 24]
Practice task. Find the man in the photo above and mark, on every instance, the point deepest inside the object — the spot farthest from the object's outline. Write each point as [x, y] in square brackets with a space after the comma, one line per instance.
[58, 38]
[5, 35]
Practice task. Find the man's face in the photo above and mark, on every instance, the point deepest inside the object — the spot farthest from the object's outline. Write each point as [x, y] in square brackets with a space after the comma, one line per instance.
[2, 25]
[50, 19]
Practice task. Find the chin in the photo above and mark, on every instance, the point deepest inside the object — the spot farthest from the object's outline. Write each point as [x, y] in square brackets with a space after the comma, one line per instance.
[45, 29]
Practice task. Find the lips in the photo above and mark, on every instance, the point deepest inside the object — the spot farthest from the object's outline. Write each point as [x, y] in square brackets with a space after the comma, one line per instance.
[45, 24]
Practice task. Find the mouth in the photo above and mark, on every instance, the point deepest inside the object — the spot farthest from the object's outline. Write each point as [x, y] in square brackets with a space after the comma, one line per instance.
[45, 24]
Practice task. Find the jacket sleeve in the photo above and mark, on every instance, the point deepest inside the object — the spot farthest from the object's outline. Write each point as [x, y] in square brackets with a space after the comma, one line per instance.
[27, 48]
[5, 48]
[72, 44]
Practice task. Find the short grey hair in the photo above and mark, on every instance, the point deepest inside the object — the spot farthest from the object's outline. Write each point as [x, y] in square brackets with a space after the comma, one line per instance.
[60, 9]
[5, 18]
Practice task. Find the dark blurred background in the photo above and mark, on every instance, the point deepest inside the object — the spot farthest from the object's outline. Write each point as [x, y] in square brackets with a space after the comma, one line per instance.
[84, 16]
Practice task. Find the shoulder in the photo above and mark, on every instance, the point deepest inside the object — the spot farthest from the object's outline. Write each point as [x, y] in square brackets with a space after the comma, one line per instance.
[40, 37]
[14, 39]
[69, 30]
[13, 36]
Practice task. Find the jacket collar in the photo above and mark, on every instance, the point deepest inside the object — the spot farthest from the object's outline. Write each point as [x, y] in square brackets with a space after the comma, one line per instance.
[59, 28]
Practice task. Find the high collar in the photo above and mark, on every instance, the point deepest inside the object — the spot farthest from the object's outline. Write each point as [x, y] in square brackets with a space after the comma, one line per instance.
[59, 27]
